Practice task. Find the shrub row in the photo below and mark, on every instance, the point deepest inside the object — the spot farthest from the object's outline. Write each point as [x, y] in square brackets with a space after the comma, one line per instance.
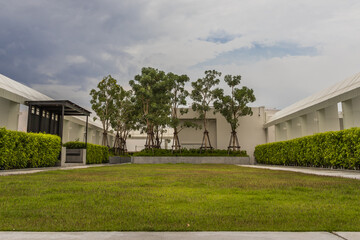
[189, 152]
[94, 153]
[338, 149]
[28, 150]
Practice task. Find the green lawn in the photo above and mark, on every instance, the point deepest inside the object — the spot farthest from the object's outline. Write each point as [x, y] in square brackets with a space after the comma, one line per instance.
[178, 197]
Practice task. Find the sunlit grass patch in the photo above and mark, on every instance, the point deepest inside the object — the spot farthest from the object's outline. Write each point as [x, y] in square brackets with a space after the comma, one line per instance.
[178, 197]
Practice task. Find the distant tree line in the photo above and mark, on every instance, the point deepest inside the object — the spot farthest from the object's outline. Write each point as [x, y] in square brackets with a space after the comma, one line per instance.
[157, 100]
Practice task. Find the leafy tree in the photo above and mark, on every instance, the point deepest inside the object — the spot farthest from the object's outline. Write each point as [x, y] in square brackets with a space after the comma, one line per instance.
[124, 119]
[177, 97]
[234, 106]
[203, 95]
[152, 96]
[102, 103]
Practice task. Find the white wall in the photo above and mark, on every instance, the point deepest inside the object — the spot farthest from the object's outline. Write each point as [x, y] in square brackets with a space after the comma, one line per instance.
[250, 132]
[74, 130]
[9, 114]
[351, 112]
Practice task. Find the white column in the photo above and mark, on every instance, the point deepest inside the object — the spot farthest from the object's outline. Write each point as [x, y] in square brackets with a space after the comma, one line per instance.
[270, 134]
[312, 123]
[278, 133]
[13, 115]
[288, 130]
[296, 128]
[329, 119]
[9, 114]
[347, 109]
[281, 131]
[356, 111]
[321, 120]
[66, 131]
[303, 125]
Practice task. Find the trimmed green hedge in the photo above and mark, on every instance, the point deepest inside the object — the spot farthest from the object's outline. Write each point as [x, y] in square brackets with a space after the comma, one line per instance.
[339, 149]
[189, 152]
[94, 154]
[28, 150]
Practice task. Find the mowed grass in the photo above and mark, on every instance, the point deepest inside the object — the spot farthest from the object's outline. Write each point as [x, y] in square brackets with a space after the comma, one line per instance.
[178, 197]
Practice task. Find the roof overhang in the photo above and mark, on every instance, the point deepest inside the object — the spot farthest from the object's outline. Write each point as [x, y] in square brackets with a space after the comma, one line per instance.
[342, 91]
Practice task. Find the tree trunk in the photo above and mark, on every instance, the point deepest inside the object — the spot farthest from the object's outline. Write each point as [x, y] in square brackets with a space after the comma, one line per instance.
[206, 138]
[176, 142]
[234, 142]
[157, 139]
[105, 139]
[149, 144]
[117, 143]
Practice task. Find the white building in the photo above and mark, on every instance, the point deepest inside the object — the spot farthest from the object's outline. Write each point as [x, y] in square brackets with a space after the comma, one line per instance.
[250, 133]
[13, 113]
[333, 109]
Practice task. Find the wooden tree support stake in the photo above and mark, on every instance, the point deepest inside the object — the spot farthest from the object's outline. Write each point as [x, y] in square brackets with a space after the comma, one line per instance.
[206, 139]
[234, 142]
[176, 143]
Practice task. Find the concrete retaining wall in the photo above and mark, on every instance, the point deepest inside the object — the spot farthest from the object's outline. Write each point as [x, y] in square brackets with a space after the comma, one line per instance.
[76, 156]
[117, 159]
[193, 160]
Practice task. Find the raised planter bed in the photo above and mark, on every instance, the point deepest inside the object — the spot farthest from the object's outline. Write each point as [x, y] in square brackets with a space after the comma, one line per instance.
[117, 159]
[76, 156]
[191, 159]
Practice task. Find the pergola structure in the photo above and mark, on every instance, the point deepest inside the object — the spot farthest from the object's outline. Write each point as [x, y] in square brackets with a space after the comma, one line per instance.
[48, 116]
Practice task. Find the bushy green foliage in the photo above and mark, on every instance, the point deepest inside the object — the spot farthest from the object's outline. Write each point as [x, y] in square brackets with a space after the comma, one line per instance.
[28, 150]
[189, 152]
[94, 154]
[338, 149]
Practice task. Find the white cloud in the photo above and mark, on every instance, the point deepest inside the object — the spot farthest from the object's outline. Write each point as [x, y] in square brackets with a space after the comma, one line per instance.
[75, 59]
[73, 93]
[94, 39]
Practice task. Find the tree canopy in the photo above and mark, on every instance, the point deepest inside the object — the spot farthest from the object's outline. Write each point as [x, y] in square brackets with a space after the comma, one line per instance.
[124, 118]
[234, 106]
[152, 95]
[102, 102]
[203, 96]
[154, 103]
[178, 96]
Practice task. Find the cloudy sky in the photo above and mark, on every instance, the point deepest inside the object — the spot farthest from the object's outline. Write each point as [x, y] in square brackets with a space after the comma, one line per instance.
[284, 50]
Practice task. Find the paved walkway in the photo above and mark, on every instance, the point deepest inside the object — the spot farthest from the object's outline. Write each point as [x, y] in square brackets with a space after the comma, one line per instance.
[355, 174]
[179, 235]
[36, 170]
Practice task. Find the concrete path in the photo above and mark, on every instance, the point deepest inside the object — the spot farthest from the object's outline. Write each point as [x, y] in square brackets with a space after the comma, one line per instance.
[36, 170]
[179, 235]
[355, 174]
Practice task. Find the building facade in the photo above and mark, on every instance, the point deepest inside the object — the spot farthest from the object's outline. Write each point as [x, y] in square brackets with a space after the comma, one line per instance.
[251, 131]
[333, 109]
[14, 112]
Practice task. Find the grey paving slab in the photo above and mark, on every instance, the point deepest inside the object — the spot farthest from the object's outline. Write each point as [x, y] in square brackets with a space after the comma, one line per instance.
[349, 235]
[355, 174]
[167, 235]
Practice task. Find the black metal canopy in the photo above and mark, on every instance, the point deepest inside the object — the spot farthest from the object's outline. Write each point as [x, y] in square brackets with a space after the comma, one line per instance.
[48, 116]
[55, 106]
